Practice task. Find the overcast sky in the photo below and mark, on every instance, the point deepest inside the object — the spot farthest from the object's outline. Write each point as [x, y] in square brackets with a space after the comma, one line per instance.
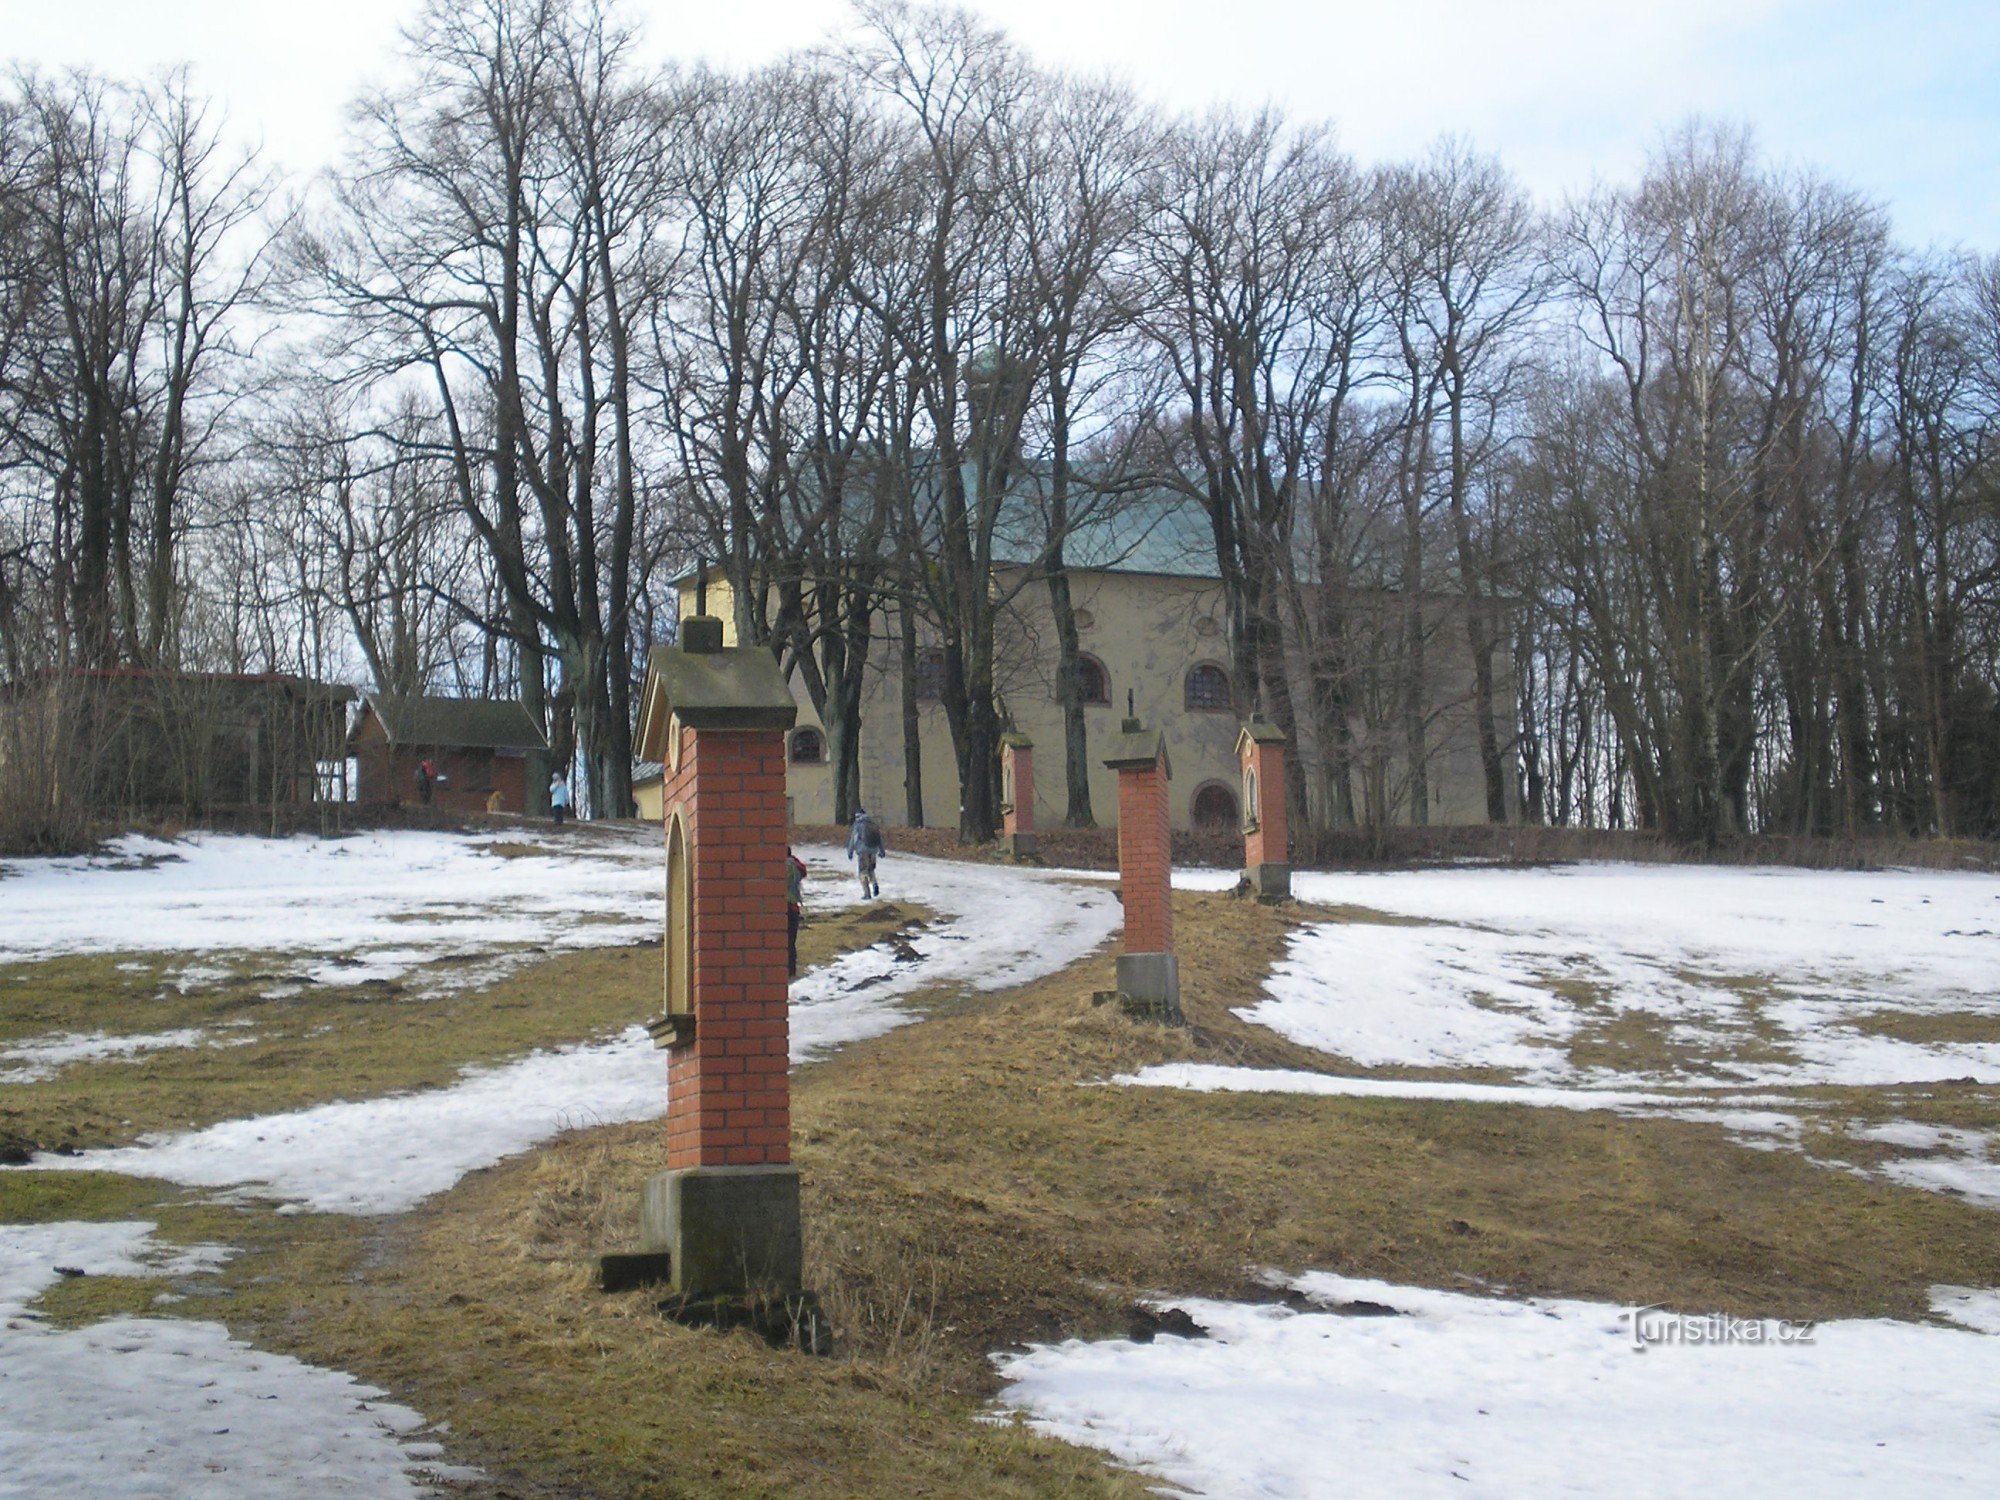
[1902, 101]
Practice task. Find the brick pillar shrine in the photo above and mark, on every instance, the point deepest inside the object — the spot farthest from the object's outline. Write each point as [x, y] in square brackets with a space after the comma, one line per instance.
[1267, 850]
[726, 1210]
[1149, 978]
[1017, 795]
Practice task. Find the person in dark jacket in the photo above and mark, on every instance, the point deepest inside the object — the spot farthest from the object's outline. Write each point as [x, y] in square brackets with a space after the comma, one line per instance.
[865, 845]
[795, 908]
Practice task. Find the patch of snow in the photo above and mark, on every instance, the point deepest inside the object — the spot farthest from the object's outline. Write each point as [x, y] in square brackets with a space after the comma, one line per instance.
[1913, 1136]
[197, 977]
[1451, 997]
[1760, 1130]
[384, 1156]
[1832, 1052]
[1184, 877]
[375, 905]
[1214, 1077]
[1977, 1308]
[30, 1254]
[1761, 974]
[162, 1407]
[1972, 1178]
[998, 927]
[43, 1057]
[1464, 1395]
[1913, 935]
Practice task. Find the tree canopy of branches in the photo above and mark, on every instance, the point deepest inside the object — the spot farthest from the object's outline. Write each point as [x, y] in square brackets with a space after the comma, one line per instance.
[1675, 503]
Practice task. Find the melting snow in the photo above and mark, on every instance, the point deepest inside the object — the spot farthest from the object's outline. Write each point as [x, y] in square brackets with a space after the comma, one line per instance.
[1460, 1395]
[377, 1156]
[1216, 1078]
[1760, 974]
[384, 1156]
[43, 1057]
[1924, 938]
[371, 906]
[1969, 1307]
[162, 1407]
[997, 927]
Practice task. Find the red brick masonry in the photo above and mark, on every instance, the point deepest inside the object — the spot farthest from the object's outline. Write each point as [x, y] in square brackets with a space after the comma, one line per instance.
[1019, 816]
[1145, 858]
[730, 1099]
[1267, 841]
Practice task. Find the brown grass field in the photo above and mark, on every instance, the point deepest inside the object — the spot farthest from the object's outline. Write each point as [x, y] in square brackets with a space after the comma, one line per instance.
[970, 1184]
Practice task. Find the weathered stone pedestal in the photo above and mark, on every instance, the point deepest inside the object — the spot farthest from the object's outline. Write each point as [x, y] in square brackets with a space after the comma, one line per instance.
[1267, 870]
[729, 1229]
[1149, 975]
[1017, 796]
[720, 1226]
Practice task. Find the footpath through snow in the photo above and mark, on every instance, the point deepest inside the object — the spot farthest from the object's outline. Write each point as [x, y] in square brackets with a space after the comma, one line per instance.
[166, 1407]
[995, 927]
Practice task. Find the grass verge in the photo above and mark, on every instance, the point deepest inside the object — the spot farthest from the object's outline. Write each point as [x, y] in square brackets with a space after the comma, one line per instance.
[970, 1184]
[327, 1042]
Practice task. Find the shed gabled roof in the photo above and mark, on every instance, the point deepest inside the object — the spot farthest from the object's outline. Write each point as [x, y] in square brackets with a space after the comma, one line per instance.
[475, 723]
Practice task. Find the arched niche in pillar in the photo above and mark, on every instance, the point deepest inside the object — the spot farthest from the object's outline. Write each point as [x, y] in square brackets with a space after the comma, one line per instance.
[679, 945]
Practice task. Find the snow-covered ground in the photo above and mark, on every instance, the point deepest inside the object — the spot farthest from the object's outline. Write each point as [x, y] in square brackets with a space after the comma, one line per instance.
[1754, 981]
[44, 1056]
[1000, 927]
[994, 927]
[1719, 956]
[1422, 1392]
[1746, 979]
[381, 905]
[384, 1156]
[168, 1407]
[1754, 974]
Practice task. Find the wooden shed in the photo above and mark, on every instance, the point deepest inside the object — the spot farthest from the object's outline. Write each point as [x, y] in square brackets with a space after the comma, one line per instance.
[132, 737]
[486, 754]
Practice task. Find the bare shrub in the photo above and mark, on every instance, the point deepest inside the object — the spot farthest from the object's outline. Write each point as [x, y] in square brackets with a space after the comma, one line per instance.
[44, 803]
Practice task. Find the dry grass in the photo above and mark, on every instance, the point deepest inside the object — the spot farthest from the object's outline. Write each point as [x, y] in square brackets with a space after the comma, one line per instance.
[969, 1184]
[969, 1187]
[330, 1042]
[1929, 1028]
[1518, 844]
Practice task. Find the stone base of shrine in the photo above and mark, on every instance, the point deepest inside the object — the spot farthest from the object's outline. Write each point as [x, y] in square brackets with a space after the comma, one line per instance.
[731, 1231]
[1269, 882]
[1149, 988]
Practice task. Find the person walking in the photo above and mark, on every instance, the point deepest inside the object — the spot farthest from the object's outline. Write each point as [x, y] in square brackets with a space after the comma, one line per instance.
[558, 797]
[865, 845]
[795, 908]
[425, 776]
